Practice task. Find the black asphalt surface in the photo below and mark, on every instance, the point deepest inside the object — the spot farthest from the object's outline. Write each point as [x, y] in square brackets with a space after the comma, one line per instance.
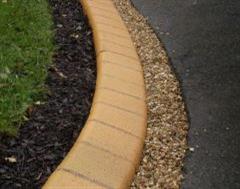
[202, 38]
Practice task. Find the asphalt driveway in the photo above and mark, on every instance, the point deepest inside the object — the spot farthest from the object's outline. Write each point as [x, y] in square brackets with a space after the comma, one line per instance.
[202, 39]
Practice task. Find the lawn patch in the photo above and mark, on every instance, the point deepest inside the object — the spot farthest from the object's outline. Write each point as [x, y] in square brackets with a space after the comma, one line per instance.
[25, 52]
[27, 160]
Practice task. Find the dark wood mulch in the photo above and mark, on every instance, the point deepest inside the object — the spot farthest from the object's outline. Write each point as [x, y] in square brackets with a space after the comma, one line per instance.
[27, 160]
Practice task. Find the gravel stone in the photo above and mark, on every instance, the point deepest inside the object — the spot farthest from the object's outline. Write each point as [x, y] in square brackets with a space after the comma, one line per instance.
[166, 141]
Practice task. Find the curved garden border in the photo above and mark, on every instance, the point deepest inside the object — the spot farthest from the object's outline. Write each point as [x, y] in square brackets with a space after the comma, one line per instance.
[109, 147]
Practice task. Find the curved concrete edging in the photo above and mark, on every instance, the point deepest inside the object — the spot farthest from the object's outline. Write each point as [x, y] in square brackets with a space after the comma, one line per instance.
[109, 147]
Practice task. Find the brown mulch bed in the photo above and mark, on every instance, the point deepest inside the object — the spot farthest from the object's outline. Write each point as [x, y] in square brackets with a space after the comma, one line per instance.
[27, 160]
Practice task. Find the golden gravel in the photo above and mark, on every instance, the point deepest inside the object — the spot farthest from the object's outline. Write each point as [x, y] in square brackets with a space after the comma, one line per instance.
[165, 145]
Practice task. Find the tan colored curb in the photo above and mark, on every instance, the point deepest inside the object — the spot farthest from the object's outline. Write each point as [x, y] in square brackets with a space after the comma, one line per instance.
[108, 150]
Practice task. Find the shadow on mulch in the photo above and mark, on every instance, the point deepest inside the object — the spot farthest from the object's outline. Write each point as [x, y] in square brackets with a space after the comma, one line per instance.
[27, 160]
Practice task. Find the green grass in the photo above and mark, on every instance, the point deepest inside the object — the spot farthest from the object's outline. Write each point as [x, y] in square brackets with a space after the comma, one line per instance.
[26, 46]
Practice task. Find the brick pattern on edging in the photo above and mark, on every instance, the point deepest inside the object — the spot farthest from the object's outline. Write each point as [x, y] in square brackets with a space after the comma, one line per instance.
[108, 150]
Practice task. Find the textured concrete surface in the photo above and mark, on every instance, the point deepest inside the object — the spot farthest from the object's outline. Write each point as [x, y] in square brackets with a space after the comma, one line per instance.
[202, 39]
[108, 150]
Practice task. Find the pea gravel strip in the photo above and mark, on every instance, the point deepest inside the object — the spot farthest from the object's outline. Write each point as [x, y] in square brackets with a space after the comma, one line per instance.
[166, 144]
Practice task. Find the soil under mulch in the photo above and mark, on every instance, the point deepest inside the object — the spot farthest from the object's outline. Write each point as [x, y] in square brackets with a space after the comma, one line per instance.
[43, 141]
